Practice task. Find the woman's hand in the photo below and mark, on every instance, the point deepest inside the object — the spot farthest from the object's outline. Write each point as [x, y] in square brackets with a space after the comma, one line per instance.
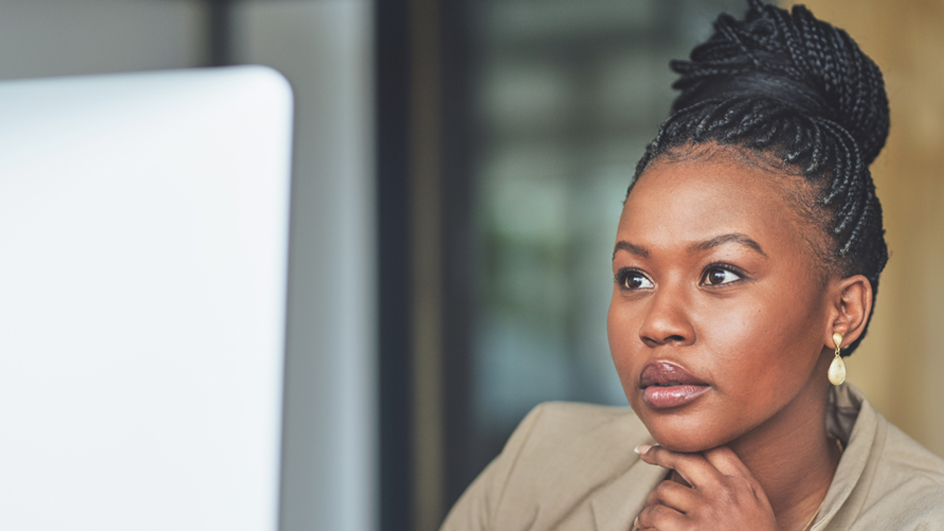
[723, 493]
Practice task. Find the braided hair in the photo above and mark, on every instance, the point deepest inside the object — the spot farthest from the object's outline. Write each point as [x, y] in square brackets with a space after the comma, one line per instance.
[799, 90]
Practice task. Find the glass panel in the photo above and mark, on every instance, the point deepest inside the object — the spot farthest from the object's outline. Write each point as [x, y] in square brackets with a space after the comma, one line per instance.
[566, 94]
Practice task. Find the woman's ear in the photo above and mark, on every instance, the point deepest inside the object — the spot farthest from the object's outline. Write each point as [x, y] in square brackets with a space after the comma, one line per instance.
[850, 306]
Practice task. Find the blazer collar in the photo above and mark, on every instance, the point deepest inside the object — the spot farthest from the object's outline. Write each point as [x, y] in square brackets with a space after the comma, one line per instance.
[616, 505]
[851, 419]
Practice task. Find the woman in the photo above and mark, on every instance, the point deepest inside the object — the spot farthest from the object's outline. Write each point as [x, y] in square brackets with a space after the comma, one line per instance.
[746, 265]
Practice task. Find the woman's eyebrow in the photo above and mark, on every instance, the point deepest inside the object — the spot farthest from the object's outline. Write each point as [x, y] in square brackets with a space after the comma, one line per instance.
[630, 248]
[735, 237]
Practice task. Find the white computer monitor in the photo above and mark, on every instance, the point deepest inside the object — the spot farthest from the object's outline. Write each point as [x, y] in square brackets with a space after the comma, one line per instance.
[143, 252]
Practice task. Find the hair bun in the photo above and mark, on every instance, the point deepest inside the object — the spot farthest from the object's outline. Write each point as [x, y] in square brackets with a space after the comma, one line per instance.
[795, 59]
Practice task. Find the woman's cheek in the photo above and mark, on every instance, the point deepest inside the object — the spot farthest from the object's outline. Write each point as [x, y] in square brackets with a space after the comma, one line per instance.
[730, 325]
[621, 339]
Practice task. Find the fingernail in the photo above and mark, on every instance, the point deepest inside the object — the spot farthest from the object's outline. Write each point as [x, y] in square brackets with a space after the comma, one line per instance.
[636, 523]
[642, 449]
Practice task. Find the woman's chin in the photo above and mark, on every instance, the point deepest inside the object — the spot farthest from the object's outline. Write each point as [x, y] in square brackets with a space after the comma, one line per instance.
[686, 431]
[682, 440]
[683, 446]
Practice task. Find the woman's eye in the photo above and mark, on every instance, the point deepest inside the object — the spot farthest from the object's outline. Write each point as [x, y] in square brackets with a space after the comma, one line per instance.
[634, 280]
[715, 276]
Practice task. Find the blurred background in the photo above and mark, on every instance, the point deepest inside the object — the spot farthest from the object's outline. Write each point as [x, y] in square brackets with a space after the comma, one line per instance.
[458, 176]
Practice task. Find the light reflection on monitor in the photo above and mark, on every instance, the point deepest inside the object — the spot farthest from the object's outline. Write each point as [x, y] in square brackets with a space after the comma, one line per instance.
[143, 248]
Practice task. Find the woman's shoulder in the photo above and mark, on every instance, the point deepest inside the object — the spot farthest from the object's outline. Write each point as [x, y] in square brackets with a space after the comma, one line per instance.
[559, 454]
[903, 482]
[565, 447]
[910, 475]
[562, 427]
[904, 455]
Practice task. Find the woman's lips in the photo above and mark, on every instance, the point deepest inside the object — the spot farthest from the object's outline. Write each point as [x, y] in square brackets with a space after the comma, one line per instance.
[673, 395]
[666, 385]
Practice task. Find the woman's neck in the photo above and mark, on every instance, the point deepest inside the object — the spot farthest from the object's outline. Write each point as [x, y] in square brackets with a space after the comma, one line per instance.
[793, 458]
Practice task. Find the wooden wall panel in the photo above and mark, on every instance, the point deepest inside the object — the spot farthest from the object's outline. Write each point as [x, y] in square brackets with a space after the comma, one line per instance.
[901, 364]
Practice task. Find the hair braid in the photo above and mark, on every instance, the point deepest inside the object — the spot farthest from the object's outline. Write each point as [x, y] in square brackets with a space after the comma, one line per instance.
[787, 84]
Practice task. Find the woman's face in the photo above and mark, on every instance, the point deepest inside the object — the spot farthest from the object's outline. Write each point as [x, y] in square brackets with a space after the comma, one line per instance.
[719, 306]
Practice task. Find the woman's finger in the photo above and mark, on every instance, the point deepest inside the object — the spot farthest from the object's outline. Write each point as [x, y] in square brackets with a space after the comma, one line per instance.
[673, 495]
[694, 468]
[660, 517]
[727, 462]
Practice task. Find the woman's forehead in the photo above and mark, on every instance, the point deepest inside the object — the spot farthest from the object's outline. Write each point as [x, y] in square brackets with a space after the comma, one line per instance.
[699, 198]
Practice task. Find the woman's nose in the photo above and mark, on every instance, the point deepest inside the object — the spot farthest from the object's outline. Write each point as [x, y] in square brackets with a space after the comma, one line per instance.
[667, 320]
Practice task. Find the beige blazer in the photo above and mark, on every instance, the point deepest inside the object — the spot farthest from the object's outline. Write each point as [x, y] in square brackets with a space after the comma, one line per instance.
[572, 466]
